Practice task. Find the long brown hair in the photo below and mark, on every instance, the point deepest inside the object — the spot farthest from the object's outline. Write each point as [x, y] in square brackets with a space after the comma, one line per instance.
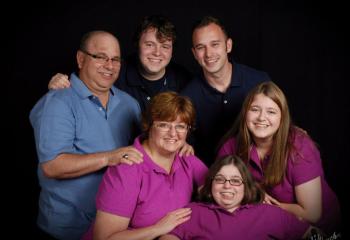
[282, 140]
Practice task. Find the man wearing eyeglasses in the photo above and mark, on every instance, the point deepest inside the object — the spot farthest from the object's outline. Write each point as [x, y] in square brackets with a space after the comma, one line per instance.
[78, 132]
[150, 70]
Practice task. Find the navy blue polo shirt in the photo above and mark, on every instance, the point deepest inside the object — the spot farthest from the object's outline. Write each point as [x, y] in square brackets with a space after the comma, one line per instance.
[217, 111]
[132, 82]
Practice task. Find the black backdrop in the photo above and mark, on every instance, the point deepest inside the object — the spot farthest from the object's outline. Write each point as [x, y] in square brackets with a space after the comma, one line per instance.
[301, 45]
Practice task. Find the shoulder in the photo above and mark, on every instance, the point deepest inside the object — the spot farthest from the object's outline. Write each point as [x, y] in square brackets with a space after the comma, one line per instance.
[259, 209]
[193, 87]
[228, 147]
[125, 98]
[191, 162]
[55, 99]
[125, 171]
[249, 70]
[304, 148]
[179, 71]
[302, 139]
[254, 75]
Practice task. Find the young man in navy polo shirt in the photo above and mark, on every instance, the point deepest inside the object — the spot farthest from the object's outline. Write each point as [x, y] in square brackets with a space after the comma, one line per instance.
[218, 92]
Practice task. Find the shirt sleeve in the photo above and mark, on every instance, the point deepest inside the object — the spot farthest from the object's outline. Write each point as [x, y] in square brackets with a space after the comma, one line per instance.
[307, 163]
[292, 227]
[54, 127]
[200, 171]
[119, 190]
[228, 148]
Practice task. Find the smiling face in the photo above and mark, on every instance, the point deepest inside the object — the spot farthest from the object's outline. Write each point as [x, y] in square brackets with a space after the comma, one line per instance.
[99, 77]
[226, 195]
[154, 54]
[167, 137]
[263, 118]
[210, 48]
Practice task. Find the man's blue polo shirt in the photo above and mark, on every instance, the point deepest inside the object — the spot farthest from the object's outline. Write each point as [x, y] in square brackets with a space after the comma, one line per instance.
[73, 121]
[217, 111]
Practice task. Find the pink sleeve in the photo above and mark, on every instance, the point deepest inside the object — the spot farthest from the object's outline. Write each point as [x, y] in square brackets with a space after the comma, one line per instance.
[119, 190]
[200, 170]
[228, 148]
[307, 163]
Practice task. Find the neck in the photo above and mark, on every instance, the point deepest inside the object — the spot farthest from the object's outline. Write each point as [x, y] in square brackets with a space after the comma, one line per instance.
[221, 79]
[101, 94]
[164, 160]
[151, 76]
[263, 147]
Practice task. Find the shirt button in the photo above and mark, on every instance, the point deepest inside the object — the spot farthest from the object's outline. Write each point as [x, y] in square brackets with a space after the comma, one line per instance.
[148, 98]
[225, 101]
[100, 108]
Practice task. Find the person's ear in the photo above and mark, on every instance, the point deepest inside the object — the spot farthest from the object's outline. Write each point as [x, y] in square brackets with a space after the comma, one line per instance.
[80, 58]
[229, 44]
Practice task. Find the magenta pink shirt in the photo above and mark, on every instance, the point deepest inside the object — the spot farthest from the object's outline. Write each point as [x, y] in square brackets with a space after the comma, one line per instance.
[257, 221]
[307, 165]
[146, 192]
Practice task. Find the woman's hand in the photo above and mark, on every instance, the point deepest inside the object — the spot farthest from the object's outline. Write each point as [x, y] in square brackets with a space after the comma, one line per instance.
[173, 219]
[270, 200]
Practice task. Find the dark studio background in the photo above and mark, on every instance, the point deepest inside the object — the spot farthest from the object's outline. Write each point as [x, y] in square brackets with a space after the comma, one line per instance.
[301, 45]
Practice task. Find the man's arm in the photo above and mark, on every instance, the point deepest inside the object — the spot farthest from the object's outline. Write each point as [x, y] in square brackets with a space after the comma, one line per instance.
[74, 165]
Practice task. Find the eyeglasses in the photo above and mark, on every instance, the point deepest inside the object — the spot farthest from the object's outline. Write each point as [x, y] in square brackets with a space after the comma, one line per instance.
[103, 59]
[236, 181]
[165, 127]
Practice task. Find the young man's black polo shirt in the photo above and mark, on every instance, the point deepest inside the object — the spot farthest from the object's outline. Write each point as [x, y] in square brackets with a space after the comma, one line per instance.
[132, 82]
[217, 111]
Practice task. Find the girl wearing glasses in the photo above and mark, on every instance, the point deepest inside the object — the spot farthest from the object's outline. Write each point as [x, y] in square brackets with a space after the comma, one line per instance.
[230, 208]
[282, 158]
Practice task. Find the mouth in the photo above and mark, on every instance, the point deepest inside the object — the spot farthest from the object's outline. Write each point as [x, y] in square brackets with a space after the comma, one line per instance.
[227, 194]
[211, 61]
[106, 74]
[152, 60]
[260, 125]
[170, 140]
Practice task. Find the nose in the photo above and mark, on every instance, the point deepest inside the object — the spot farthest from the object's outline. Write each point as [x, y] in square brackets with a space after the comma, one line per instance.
[156, 50]
[227, 184]
[208, 52]
[172, 131]
[108, 63]
[261, 115]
